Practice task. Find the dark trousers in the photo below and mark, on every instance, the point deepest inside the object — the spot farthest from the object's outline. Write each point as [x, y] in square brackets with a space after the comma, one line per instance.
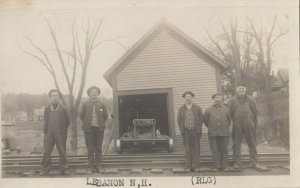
[94, 139]
[54, 138]
[64, 138]
[239, 131]
[219, 150]
[192, 148]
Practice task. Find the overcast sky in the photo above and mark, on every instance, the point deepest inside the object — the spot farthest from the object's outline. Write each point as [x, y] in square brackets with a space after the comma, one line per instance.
[127, 21]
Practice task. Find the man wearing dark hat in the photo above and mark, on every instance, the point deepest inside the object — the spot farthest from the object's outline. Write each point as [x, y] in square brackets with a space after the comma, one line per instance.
[56, 122]
[243, 111]
[217, 119]
[93, 116]
[190, 119]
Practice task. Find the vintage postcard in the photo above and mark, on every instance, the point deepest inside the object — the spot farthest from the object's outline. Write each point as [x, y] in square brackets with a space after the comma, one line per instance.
[144, 94]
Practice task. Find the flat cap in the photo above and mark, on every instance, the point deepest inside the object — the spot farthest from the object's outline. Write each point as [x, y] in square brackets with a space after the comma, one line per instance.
[241, 84]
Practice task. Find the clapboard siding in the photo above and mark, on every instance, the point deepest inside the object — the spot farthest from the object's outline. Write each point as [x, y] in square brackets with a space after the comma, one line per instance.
[166, 63]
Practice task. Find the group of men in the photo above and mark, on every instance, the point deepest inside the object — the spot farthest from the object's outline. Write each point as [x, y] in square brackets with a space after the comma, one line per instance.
[93, 115]
[241, 111]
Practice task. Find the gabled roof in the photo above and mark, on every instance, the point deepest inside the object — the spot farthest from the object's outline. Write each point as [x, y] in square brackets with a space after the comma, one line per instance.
[163, 23]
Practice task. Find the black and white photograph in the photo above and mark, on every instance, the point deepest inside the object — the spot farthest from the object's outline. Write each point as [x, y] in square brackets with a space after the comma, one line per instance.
[140, 93]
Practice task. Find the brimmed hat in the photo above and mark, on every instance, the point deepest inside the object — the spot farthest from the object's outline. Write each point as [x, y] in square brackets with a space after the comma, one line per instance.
[216, 94]
[241, 84]
[188, 92]
[55, 91]
[93, 87]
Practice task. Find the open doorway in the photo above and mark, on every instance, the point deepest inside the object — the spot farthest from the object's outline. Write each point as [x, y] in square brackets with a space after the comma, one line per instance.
[144, 106]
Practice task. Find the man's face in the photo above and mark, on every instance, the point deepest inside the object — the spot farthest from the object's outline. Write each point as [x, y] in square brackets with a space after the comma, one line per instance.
[188, 98]
[218, 99]
[54, 97]
[241, 90]
[94, 93]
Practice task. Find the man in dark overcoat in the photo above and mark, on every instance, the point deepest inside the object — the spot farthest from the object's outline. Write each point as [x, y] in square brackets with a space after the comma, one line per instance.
[217, 119]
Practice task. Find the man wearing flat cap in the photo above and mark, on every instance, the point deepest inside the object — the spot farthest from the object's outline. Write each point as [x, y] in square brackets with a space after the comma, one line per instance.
[243, 111]
[93, 115]
[217, 119]
[190, 119]
[56, 123]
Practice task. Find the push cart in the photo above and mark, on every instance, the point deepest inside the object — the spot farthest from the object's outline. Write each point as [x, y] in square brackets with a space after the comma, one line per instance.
[144, 135]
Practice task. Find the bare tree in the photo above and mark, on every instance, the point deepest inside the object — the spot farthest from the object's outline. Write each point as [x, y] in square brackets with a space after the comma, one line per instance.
[71, 62]
[234, 47]
[244, 49]
[265, 42]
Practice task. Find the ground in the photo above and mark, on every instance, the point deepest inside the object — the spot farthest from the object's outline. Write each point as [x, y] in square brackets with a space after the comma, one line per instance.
[29, 140]
[29, 137]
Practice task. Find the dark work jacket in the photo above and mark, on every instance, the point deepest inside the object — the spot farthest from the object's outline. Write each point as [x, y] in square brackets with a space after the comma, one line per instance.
[86, 114]
[64, 119]
[198, 118]
[234, 112]
[217, 119]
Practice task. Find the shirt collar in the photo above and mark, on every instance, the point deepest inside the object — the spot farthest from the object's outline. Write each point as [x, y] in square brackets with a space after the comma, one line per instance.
[189, 106]
[217, 105]
[52, 107]
[94, 101]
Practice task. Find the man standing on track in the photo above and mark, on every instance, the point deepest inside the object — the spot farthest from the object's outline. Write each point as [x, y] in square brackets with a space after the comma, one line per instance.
[56, 122]
[93, 116]
[217, 119]
[190, 119]
[243, 110]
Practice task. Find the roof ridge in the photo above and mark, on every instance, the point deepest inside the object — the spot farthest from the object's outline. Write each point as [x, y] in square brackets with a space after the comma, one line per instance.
[162, 22]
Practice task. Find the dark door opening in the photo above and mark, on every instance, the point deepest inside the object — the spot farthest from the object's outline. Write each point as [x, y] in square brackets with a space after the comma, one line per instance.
[144, 106]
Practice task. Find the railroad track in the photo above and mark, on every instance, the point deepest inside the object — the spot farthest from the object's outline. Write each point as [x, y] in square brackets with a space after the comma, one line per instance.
[126, 161]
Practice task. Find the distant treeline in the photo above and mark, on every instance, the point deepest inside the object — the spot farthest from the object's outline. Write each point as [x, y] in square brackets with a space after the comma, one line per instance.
[12, 104]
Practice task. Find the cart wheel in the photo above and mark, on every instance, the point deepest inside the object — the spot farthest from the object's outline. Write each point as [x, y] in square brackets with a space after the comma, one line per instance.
[120, 149]
[170, 145]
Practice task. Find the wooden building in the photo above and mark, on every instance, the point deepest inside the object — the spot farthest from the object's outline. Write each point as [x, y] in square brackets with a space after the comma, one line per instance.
[149, 79]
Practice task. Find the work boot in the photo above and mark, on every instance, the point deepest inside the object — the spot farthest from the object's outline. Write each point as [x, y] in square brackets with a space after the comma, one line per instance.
[236, 166]
[44, 172]
[96, 169]
[89, 171]
[214, 169]
[260, 167]
[65, 172]
[225, 169]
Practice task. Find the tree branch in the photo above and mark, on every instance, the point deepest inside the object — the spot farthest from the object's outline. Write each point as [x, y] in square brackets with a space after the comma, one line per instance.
[272, 30]
[49, 69]
[258, 40]
[59, 53]
[217, 45]
[38, 58]
[278, 36]
[42, 52]
[75, 57]
[78, 48]
[93, 37]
